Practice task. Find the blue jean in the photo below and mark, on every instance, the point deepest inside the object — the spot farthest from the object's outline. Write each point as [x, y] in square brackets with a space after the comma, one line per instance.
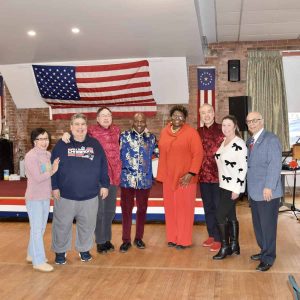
[38, 211]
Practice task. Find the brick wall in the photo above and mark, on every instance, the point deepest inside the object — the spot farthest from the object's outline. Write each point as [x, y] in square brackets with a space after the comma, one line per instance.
[238, 50]
[22, 121]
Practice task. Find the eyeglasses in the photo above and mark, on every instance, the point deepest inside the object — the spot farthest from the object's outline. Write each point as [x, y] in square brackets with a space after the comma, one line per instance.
[105, 116]
[177, 117]
[42, 139]
[253, 121]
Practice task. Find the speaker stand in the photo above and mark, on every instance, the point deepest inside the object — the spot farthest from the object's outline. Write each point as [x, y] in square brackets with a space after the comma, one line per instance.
[291, 206]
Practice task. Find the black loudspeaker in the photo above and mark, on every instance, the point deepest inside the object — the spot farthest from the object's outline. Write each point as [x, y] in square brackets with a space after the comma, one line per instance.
[234, 70]
[239, 107]
[6, 157]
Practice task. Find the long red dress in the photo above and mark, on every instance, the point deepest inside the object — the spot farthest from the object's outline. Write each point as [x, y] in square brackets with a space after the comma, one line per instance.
[179, 154]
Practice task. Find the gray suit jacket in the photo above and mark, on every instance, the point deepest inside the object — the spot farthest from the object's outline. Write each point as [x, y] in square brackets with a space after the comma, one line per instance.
[264, 166]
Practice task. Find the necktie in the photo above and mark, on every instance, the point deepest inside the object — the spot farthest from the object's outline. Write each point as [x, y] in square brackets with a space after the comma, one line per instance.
[251, 144]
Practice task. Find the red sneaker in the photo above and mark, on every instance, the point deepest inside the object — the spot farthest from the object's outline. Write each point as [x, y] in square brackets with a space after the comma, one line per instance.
[215, 247]
[208, 242]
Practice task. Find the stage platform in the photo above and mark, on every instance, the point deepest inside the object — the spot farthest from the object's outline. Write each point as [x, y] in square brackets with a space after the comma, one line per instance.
[12, 202]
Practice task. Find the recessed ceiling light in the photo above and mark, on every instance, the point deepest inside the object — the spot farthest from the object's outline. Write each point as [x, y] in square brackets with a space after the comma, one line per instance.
[31, 33]
[75, 30]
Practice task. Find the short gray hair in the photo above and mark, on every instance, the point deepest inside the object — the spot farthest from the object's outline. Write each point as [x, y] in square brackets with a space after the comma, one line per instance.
[78, 116]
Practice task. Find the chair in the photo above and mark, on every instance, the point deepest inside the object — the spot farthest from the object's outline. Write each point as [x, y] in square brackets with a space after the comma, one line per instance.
[295, 287]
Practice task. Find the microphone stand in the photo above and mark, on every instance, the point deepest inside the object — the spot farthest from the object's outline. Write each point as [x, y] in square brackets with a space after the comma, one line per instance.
[293, 207]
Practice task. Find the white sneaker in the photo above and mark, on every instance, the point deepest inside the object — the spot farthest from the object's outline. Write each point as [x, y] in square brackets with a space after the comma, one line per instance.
[29, 259]
[44, 267]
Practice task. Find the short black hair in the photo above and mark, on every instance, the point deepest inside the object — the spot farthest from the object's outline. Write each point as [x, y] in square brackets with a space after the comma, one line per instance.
[180, 108]
[102, 108]
[36, 132]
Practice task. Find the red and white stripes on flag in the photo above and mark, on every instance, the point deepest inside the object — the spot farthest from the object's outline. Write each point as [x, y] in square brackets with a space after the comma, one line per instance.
[125, 88]
[206, 78]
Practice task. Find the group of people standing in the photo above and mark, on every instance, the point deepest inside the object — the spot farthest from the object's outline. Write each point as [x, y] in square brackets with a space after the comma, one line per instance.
[88, 164]
[228, 165]
[226, 160]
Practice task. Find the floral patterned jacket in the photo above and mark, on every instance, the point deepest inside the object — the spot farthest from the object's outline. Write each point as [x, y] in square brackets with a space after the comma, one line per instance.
[212, 137]
[136, 157]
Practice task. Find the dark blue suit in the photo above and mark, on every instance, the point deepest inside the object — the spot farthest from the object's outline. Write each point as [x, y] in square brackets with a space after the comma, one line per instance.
[264, 167]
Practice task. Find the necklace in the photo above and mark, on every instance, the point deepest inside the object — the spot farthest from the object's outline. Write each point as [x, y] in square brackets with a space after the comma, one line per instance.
[175, 130]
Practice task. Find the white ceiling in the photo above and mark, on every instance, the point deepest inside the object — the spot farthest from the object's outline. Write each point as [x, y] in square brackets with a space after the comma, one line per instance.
[116, 29]
[250, 20]
[110, 29]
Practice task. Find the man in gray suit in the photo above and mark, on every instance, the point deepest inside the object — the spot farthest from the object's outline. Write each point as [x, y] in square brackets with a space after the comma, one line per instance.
[264, 188]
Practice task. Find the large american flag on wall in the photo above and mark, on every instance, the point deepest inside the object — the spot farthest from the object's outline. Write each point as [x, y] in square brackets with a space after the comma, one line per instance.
[206, 77]
[125, 88]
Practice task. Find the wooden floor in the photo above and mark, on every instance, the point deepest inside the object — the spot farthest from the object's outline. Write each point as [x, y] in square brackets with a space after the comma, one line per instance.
[158, 272]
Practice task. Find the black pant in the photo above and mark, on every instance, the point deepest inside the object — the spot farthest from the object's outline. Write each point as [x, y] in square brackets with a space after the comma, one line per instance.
[105, 216]
[226, 208]
[210, 195]
[264, 217]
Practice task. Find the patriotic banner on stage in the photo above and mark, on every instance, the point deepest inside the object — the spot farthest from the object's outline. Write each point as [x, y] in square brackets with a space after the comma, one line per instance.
[206, 77]
[125, 88]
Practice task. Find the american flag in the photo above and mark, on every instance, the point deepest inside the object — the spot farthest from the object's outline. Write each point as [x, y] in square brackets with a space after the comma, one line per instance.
[206, 77]
[125, 88]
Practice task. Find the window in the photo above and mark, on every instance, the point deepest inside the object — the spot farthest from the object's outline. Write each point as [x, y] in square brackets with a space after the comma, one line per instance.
[294, 125]
[291, 68]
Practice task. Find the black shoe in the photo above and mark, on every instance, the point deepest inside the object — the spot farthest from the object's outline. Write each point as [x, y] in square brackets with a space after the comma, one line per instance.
[223, 252]
[225, 247]
[255, 256]
[125, 246]
[109, 246]
[85, 256]
[171, 244]
[263, 267]
[60, 258]
[102, 248]
[140, 244]
[180, 247]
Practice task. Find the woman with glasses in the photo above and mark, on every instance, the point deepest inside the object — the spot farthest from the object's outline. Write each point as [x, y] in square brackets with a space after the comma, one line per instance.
[38, 171]
[231, 160]
[180, 160]
[108, 136]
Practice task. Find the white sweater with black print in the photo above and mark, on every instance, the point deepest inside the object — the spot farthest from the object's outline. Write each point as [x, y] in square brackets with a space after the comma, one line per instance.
[232, 165]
